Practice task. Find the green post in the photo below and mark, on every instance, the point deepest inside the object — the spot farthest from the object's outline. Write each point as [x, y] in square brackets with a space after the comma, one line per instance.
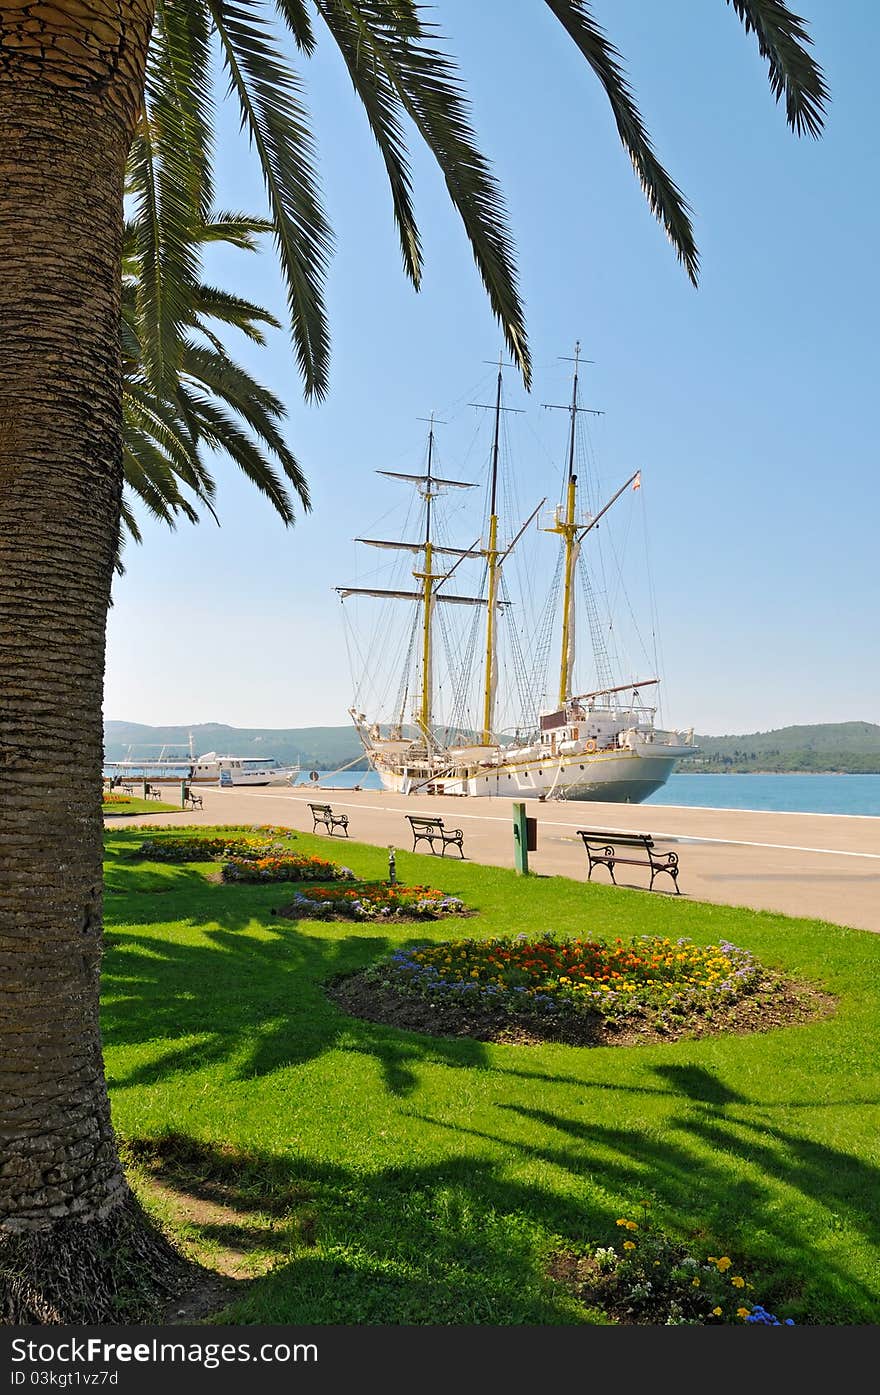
[520, 840]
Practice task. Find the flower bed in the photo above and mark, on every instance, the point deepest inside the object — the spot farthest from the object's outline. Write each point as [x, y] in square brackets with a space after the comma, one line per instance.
[571, 977]
[292, 867]
[201, 848]
[586, 992]
[372, 901]
[649, 1278]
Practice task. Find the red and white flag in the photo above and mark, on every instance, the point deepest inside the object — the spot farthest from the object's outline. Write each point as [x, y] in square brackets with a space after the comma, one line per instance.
[637, 482]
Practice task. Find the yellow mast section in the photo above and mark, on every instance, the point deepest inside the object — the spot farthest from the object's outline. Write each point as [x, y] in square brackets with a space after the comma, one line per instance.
[425, 704]
[427, 601]
[568, 528]
[492, 586]
[489, 687]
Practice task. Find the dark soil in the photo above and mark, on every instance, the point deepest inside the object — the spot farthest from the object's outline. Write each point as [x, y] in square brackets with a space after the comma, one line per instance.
[775, 1003]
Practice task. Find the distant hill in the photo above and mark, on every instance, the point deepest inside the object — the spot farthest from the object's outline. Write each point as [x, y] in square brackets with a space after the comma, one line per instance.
[845, 747]
[315, 748]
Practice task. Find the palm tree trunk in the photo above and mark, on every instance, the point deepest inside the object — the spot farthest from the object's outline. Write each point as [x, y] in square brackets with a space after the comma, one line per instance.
[70, 88]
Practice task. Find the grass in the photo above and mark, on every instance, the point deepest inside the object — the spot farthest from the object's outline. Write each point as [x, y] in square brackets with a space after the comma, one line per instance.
[132, 805]
[362, 1174]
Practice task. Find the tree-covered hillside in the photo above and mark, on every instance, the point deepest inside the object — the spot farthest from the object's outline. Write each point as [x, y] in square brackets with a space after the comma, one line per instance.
[847, 747]
[318, 748]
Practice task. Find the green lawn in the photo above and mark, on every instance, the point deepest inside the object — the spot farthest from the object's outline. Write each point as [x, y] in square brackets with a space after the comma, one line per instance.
[139, 806]
[369, 1175]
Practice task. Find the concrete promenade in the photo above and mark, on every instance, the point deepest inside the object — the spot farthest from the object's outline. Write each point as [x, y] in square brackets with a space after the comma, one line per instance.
[819, 865]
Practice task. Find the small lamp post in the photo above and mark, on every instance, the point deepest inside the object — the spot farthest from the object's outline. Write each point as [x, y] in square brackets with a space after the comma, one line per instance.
[392, 867]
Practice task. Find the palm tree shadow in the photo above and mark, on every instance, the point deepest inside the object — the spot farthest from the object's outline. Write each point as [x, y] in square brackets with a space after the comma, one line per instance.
[262, 980]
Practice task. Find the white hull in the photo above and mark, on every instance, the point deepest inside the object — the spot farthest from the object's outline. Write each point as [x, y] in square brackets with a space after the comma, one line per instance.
[619, 777]
[204, 772]
[279, 777]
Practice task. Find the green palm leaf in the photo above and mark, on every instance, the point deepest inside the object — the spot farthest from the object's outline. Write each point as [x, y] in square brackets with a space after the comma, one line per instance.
[170, 172]
[381, 102]
[794, 73]
[275, 119]
[665, 199]
[219, 429]
[393, 42]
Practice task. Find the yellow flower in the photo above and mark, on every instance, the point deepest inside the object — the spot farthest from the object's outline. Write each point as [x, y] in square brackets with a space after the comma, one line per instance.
[743, 1312]
[695, 1283]
[631, 1225]
[629, 1244]
[723, 1263]
[738, 1282]
[716, 1312]
[621, 1221]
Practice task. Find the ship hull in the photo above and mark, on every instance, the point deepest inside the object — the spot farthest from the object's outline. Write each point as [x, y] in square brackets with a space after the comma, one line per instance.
[619, 777]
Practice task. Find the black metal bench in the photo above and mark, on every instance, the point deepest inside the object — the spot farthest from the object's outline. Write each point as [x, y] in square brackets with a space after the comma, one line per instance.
[323, 814]
[195, 801]
[602, 851]
[150, 792]
[431, 829]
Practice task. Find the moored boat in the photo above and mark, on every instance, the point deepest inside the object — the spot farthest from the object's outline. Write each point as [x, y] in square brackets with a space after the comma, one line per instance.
[602, 744]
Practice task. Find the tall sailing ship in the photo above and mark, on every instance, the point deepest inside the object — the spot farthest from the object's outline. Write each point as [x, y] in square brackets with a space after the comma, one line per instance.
[597, 745]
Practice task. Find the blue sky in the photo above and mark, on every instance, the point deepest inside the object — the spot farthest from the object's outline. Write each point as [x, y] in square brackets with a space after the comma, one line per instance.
[746, 403]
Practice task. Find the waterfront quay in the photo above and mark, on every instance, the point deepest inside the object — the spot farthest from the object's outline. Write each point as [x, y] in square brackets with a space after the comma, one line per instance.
[824, 866]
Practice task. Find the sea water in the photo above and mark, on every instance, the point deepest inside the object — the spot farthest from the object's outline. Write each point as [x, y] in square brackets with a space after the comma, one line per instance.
[784, 794]
[795, 794]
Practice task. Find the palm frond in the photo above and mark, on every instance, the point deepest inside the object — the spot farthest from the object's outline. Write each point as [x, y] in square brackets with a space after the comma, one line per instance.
[383, 108]
[169, 178]
[149, 477]
[274, 116]
[129, 521]
[238, 229]
[298, 20]
[233, 310]
[794, 73]
[161, 420]
[394, 41]
[220, 430]
[665, 199]
[259, 408]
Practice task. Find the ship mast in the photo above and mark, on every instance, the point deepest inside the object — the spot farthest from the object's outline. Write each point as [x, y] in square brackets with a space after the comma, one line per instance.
[427, 602]
[568, 527]
[492, 559]
[430, 581]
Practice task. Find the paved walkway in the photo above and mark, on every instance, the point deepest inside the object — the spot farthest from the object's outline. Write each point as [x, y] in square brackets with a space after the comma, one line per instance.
[819, 865]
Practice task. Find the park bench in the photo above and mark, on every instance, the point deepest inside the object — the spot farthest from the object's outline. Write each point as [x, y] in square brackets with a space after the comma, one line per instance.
[323, 814]
[150, 792]
[194, 801]
[602, 848]
[431, 829]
